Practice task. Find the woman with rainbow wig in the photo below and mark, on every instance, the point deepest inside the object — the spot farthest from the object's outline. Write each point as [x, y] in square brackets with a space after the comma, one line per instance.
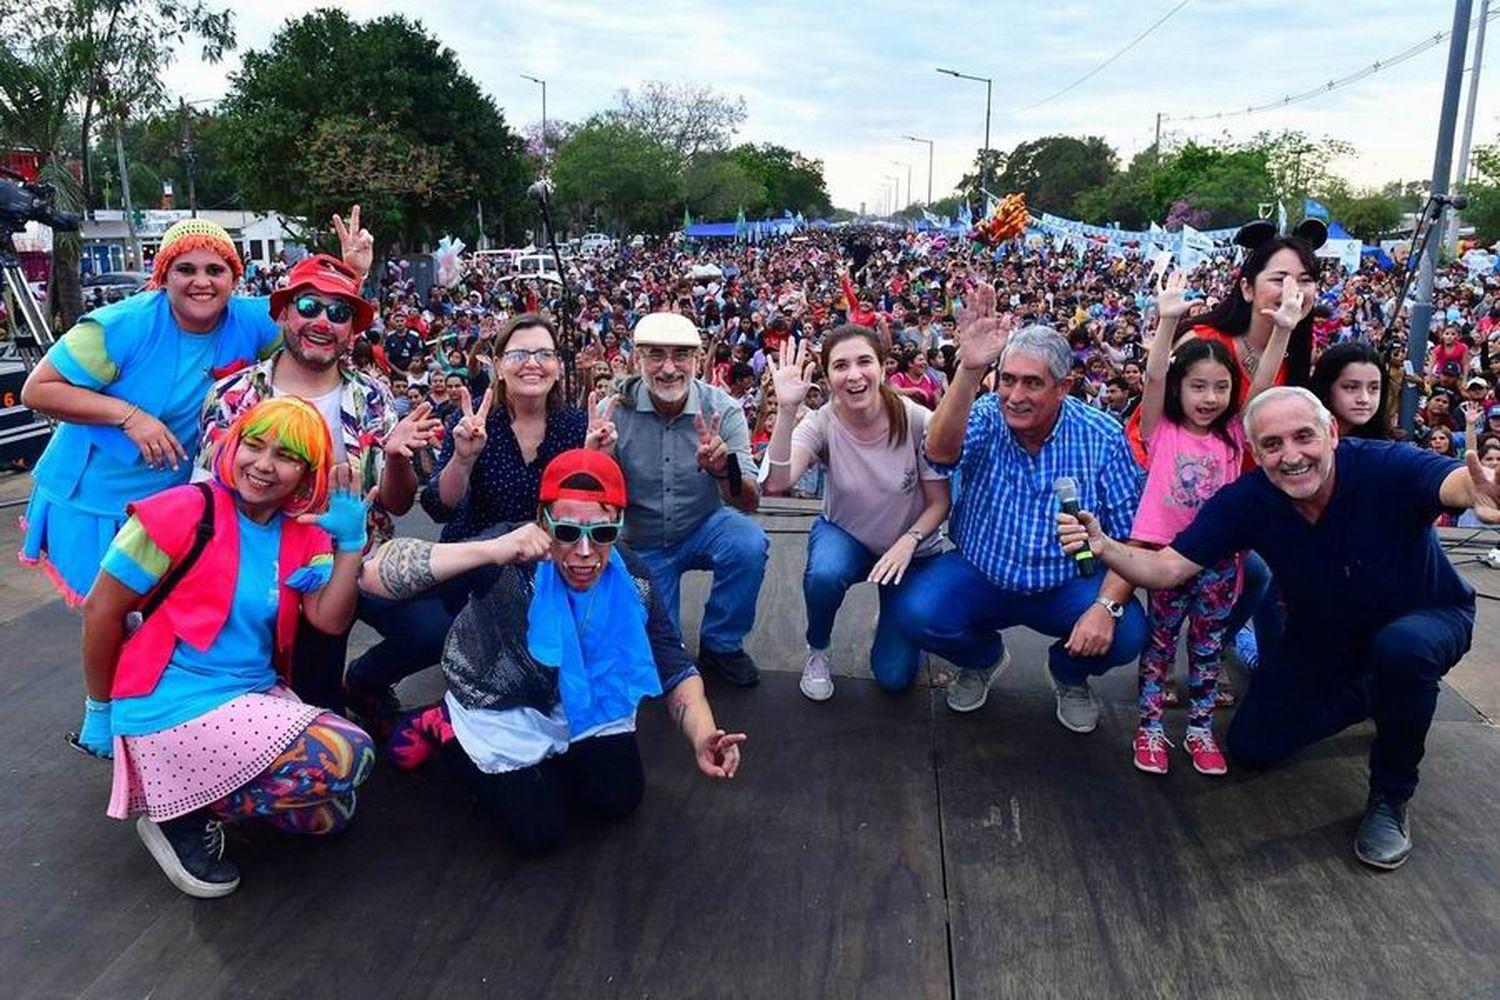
[188, 688]
[126, 384]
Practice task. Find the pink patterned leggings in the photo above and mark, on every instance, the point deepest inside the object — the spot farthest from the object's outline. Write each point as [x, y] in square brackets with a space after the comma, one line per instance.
[1205, 602]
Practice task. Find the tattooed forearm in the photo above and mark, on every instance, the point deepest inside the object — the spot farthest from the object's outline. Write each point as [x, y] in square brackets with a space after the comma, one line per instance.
[406, 567]
[677, 704]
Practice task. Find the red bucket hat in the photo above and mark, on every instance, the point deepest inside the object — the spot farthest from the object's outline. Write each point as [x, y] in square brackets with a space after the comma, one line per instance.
[331, 276]
[605, 470]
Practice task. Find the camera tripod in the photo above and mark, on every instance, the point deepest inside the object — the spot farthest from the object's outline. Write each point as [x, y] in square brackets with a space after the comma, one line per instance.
[23, 432]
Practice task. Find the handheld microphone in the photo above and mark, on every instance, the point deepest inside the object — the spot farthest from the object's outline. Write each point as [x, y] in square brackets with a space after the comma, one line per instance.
[1066, 489]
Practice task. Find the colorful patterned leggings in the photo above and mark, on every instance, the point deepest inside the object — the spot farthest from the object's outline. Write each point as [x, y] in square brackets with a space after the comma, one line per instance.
[1205, 601]
[309, 789]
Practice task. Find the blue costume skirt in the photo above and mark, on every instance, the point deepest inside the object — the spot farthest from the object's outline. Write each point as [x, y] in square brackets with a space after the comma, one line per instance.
[66, 543]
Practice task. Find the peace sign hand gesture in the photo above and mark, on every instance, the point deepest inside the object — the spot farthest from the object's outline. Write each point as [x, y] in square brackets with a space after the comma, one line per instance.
[713, 453]
[981, 333]
[470, 434]
[791, 376]
[356, 245]
[602, 433]
[1290, 312]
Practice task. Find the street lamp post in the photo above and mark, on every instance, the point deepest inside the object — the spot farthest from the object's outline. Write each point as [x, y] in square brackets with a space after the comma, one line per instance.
[546, 157]
[896, 199]
[901, 163]
[912, 138]
[984, 164]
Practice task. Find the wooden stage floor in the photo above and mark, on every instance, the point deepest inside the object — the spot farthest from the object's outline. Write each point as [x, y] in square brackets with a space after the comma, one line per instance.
[873, 846]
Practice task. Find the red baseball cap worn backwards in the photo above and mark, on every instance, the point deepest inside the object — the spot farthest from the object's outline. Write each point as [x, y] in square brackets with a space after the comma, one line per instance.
[330, 276]
[605, 470]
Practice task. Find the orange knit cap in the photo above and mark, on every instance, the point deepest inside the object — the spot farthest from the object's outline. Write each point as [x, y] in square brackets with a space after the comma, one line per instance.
[187, 236]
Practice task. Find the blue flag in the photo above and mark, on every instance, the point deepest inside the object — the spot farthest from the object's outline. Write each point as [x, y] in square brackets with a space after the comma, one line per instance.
[1314, 209]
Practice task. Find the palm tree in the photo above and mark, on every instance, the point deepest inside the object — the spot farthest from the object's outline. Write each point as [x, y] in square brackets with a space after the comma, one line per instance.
[34, 96]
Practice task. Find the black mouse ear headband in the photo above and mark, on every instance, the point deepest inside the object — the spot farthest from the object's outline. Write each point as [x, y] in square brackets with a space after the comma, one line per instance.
[1252, 234]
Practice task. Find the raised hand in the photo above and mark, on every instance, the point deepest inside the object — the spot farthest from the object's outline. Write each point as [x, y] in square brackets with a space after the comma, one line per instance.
[1290, 312]
[417, 430]
[718, 755]
[791, 376]
[356, 245]
[713, 453]
[345, 518]
[602, 433]
[1170, 302]
[470, 433]
[1486, 489]
[982, 333]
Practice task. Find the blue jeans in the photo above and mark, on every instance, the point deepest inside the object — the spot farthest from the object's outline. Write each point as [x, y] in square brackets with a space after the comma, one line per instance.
[735, 549]
[1306, 690]
[957, 613]
[1258, 603]
[836, 561]
[412, 633]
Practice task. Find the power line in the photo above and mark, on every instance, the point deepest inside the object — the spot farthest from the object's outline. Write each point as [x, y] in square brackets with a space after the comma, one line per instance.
[1331, 85]
[1097, 69]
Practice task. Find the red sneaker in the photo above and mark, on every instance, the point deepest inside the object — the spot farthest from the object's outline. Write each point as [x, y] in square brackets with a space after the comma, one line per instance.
[1207, 758]
[1151, 749]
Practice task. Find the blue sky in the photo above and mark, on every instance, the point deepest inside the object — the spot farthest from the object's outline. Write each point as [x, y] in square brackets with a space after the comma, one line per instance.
[844, 83]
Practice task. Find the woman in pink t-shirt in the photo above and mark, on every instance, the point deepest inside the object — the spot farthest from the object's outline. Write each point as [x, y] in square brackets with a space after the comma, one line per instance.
[1195, 446]
[883, 503]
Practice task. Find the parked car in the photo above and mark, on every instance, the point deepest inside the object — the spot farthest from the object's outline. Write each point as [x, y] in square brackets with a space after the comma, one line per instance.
[595, 243]
[102, 289]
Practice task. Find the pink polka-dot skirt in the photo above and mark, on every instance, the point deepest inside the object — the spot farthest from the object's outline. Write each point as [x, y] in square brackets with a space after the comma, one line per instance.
[171, 773]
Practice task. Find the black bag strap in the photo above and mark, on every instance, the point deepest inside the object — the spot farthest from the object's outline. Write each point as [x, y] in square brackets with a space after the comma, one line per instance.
[203, 533]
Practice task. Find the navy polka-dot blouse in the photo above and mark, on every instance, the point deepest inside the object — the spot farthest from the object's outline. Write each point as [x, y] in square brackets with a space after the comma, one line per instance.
[502, 487]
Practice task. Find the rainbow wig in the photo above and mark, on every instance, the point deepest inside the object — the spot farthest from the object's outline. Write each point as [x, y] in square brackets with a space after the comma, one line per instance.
[299, 428]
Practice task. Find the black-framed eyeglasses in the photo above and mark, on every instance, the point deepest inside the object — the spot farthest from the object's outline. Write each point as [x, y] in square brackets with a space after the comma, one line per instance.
[568, 532]
[519, 356]
[309, 306]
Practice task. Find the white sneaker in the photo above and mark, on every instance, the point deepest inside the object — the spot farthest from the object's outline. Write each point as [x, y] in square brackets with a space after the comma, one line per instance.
[816, 682]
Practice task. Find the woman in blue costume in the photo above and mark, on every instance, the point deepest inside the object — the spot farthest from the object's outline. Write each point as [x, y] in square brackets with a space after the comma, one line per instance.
[126, 384]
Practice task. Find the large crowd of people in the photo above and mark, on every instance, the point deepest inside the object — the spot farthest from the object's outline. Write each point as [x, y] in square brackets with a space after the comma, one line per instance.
[1007, 436]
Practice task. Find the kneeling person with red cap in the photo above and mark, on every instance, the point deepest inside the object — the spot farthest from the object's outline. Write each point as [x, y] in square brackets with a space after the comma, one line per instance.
[546, 664]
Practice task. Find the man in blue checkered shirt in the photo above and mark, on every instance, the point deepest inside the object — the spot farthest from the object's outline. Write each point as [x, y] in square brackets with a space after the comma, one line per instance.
[1008, 448]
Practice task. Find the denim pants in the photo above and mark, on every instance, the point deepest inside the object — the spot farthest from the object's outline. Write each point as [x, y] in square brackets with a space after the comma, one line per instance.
[412, 633]
[957, 613]
[836, 561]
[1308, 689]
[735, 549]
[1258, 603]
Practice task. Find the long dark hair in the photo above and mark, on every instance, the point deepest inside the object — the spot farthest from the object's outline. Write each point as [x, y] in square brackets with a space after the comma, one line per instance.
[1327, 371]
[525, 321]
[1232, 316]
[1187, 354]
[895, 405]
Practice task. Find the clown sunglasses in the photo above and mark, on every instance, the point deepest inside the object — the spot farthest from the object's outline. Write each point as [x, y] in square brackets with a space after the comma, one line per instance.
[309, 306]
[568, 532]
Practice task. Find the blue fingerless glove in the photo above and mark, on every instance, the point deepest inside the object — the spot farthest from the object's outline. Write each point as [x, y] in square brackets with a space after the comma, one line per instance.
[96, 736]
[344, 520]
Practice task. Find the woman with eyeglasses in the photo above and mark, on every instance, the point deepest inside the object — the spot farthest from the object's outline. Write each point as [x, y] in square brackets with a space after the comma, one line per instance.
[549, 662]
[125, 385]
[488, 472]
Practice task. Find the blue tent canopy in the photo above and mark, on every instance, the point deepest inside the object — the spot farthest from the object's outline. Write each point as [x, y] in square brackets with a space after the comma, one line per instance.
[1336, 231]
[708, 230]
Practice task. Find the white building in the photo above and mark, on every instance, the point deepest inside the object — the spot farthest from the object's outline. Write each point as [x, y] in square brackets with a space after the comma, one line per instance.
[106, 238]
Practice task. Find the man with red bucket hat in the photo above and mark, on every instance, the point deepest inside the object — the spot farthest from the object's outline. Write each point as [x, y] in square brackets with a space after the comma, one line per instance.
[320, 311]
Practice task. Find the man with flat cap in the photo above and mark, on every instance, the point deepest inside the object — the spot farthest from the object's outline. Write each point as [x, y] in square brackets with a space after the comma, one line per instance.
[685, 449]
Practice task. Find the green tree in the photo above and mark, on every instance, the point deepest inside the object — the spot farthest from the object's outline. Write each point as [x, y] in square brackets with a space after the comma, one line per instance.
[611, 175]
[1055, 170]
[792, 182]
[388, 80]
[1369, 216]
[717, 187]
[1228, 184]
[155, 152]
[686, 118]
[1125, 198]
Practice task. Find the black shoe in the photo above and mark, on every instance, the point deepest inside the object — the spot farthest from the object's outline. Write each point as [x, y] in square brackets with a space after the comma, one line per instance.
[190, 851]
[735, 667]
[376, 711]
[1384, 839]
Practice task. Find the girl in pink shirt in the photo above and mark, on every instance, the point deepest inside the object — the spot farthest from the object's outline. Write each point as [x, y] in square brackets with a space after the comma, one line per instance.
[1196, 446]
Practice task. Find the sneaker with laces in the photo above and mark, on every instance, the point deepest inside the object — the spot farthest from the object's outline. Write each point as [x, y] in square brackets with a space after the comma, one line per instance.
[418, 735]
[816, 683]
[971, 688]
[1207, 757]
[1245, 647]
[1151, 745]
[190, 852]
[1077, 708]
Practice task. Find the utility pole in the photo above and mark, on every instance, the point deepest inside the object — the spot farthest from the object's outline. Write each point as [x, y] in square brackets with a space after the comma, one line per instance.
[1157, 144]
[1461, 176]
[189, 157]
[1421, 310]
[135, 243]
[479, 220]
[984, 163]
[912, 138]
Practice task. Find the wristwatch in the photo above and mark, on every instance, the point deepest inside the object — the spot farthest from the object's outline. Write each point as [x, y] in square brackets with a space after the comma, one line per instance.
[1115, 608]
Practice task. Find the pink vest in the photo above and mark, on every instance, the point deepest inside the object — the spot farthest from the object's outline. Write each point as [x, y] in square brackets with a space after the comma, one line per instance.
[198, 606]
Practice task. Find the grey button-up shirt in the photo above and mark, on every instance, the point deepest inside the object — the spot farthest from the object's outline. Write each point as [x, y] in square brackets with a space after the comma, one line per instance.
[669, 495]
